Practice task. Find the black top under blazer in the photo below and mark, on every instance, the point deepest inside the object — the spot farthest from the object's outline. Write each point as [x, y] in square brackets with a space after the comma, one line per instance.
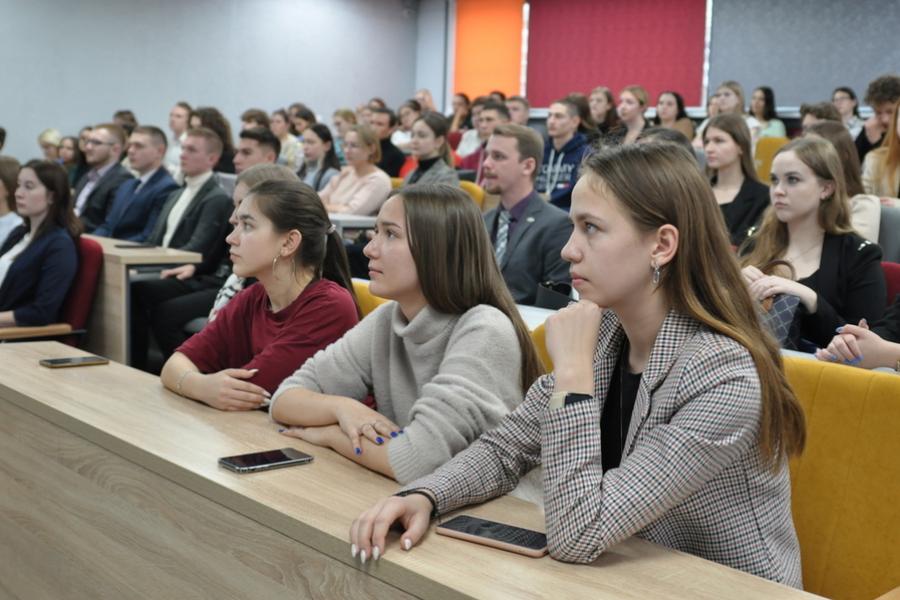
[746, 210]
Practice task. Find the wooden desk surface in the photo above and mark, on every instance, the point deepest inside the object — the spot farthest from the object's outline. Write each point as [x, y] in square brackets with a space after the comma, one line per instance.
[143, 256]
[128, 413]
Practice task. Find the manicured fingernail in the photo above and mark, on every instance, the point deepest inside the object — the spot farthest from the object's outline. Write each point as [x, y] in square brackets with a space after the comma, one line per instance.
[394, 434]
[379, 440]
[376, 553]
[281, 430]
[407, 544]
[362, 557]
[838, 330]
[353, 550]
[863, 322]
[401, 431]
[267, 395]
[358, 451]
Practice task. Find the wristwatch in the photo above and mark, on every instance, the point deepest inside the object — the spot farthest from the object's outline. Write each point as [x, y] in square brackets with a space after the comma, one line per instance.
[422, 492]
[561, 399]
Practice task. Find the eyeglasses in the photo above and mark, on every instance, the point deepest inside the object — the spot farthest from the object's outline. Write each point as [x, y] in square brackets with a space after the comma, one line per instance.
[93, 142]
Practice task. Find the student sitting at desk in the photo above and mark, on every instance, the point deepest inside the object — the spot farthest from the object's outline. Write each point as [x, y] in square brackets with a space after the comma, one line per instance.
[302, 302]
[668, 415]
[38, 260]
[445, 361]
[361, 187]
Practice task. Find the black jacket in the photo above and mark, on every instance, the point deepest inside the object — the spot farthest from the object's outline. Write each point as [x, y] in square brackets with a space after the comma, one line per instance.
[100, 201]
[746, 210]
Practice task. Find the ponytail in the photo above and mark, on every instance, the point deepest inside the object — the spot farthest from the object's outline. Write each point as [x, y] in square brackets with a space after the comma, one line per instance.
[335, 265]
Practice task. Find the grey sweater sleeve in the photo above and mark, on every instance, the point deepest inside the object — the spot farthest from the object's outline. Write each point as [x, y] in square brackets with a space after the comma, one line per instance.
[476, 385]
[345, 367]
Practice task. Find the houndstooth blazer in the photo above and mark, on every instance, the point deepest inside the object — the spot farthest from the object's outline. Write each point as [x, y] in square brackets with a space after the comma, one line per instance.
[690, 478]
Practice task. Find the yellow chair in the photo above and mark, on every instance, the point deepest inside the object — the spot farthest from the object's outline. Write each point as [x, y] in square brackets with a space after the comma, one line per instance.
[367, 301]
[765, 151]
[539, 338]
[846, 484]
[396, 183]
[474, 190]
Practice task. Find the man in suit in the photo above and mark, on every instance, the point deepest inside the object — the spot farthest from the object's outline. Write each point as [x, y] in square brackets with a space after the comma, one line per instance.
[194, 217]
[527, 233]
[383, 123]
[138, 201]
[95, 191]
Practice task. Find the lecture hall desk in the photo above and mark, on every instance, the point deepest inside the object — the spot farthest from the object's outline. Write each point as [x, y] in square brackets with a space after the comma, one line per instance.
[111, 489]
[108, 326]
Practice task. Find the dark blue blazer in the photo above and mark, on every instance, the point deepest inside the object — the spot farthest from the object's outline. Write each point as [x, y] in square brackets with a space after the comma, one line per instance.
[133, 214]
[39, 278]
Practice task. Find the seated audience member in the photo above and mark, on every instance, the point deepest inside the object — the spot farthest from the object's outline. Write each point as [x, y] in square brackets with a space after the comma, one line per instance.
[712, 110]
[460, 118]
[363, 114]
[518, 108]
[661, 134]
[301, 119]
[195, 218]
[490, 116]
[836, 273]
[383, 122]
[125, 119]
[666, 402]
[253, 118]
[527, 233]
[210, 118]
[426, 100]
[2, 137]
[882, 95]
[72, 159]
[430, 147]
[342, 120]
[762, 107]
[563, 152]
[376, 102]
[49, 140]
[301, 303]
[9, 177]
[471, 139]
[670, 113]
[820, 111]
[407, 114]
[729, 99]
[865, 209]
[321, 163]
[497, 96]
[445, 361]
[137, 202]
[729, 165]
[631, 107]
[881, 169]
[603, 109]
[256, 146]
[586, 125]
[859, 346]
[179, 122]
[291, 154]
[96, 190]
[846, 103]
[39, 259]
[361, 187]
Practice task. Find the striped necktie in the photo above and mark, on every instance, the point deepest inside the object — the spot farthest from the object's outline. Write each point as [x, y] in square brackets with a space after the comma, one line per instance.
[502, 235]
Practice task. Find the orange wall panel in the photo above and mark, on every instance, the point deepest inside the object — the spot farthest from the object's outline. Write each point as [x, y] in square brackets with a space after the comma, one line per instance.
[488, 46]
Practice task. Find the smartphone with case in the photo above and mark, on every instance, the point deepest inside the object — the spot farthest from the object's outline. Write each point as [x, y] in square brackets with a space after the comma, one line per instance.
[263, 461]
[135, 245]
[497, 535]
[72, 361]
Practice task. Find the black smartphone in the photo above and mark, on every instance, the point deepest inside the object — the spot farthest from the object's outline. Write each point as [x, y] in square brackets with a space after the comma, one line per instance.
[263, 461]
[497, 535]
[135, 245]
[73, 361]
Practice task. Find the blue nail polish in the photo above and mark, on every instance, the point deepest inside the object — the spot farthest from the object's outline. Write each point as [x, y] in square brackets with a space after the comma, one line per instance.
[281, 430]
[394, 434]
[838, 330]
[379, 440]
[358, 451]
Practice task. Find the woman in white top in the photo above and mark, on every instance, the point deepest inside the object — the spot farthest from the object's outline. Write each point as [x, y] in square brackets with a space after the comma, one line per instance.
[846, 103]
[762, 106]
[408, 113]
[291, 149]
[729, 99]
[9, 174]
[361, 187]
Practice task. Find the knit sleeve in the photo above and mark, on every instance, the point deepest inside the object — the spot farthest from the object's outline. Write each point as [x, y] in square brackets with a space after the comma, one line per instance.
[476, 385]
[370, 194]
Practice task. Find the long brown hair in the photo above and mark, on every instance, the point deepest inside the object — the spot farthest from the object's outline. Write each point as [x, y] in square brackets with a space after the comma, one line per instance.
[446, 228]
[61, 212]
[771, 241]
[887, 156]
[659, 184]
[736, 127]
[840, 138]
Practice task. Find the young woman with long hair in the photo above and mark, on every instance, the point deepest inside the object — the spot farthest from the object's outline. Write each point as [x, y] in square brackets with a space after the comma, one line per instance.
[321, 160]
[445, 361]
[212, 118]
[603, 109]
[729, 165]
[291, 154]
[836, 273]
[361, 187]
[762, 107]
[670, 113]
[881, 167]
[302, 301]
[429, 146]
[668, 415]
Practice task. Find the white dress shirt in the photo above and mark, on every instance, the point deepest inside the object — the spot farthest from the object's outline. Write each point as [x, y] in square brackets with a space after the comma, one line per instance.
[191, 186]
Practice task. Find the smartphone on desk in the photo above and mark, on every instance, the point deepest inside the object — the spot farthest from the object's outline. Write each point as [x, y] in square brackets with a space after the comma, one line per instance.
[263, 461]
[497, 535]
[135, 245]
[72, 361]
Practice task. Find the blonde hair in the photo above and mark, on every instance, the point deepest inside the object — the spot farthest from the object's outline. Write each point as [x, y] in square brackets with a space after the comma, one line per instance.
[735, 87]
[638, 92]
[887, 156]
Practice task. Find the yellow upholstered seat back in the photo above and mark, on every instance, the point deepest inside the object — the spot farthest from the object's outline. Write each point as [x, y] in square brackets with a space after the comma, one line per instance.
[539, 337]
[765, 152]
[367, 301]
[846, 485]
[475, 191]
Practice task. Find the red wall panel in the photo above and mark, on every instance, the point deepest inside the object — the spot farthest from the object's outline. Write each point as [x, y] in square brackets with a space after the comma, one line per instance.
[576, 45]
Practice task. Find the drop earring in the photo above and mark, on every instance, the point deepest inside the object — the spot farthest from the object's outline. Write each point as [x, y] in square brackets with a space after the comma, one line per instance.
[655, 278]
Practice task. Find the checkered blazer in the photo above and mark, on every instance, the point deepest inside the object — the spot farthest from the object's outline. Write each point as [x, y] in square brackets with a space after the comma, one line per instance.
[690, 478]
